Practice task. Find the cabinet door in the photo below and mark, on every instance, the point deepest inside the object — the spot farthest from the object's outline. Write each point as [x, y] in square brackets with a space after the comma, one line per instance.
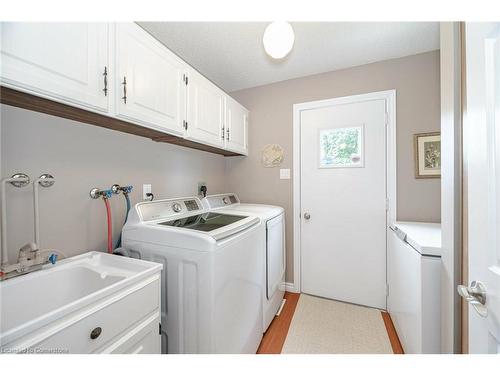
[236, 126]
[149, 82]
[62, 61]
[205, 111]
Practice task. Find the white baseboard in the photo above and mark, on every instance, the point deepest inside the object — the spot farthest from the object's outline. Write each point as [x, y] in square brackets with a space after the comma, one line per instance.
[291, 287]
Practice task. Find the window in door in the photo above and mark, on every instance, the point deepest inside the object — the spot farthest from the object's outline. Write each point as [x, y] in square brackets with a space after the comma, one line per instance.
[341, 147]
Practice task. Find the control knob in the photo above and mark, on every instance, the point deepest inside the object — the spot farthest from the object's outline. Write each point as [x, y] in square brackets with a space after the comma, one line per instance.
[177, 207]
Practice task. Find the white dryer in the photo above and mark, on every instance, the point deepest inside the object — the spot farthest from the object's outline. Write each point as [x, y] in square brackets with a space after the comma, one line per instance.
[212, 274]
[272, 231]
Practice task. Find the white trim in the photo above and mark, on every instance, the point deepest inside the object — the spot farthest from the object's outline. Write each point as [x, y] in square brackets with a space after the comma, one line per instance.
[451, 68]
[390, 99]
[291, 287]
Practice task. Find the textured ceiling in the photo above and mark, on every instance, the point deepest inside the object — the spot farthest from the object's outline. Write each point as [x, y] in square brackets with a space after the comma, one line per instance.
[231, 53]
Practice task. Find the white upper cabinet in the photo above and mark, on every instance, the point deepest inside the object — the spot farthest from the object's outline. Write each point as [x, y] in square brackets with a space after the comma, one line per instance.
[121, 71]
[236, 127]
[149, 81]
[66, 62]
[205, 111]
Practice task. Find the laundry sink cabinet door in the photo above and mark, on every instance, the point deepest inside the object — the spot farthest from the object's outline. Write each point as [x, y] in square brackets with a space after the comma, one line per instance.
[65, 62]
[205, 111]
[236, 127]
[149, 84]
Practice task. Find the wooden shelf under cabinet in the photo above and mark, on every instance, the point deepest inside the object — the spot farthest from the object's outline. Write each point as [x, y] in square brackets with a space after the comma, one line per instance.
[24, 100]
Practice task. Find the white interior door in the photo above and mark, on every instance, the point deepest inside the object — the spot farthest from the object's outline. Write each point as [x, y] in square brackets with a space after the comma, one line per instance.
[343, 202]
[482, 142]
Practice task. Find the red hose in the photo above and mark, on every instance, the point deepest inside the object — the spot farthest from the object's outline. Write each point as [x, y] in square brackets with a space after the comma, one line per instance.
[110, 226]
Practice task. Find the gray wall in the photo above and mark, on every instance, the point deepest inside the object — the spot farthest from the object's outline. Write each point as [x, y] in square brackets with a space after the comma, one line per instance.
[80, 157]
[83, 156]
[416, 79]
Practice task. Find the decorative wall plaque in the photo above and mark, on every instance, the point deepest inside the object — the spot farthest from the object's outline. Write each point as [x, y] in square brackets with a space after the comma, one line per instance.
[272, 156]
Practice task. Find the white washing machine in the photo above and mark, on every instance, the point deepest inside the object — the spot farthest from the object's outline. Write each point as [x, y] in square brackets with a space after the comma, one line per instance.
[272, 231]
[212, 274]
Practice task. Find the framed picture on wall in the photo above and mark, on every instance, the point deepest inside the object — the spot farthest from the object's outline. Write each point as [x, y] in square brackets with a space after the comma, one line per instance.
[427, 155]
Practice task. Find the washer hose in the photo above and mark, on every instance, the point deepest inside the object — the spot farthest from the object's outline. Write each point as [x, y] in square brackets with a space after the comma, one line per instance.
[127, 198]
[110, 225]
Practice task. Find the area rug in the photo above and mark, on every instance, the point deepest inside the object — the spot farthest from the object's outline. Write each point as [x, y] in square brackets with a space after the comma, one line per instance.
[323, 326]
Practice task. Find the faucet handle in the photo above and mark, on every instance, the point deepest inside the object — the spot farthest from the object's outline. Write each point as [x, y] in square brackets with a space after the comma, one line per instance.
[52, 258]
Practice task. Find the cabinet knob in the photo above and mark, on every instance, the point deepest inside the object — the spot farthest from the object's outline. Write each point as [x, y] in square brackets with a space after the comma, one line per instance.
[96, 332]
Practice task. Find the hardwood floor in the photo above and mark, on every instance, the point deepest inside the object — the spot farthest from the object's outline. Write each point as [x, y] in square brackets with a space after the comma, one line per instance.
[275, 336]
[397, 348]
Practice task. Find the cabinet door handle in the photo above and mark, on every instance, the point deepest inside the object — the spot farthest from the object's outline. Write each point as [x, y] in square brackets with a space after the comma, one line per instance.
[227, 133]
[124, 83]
[96, 332]
[105, 75]
[223, 132]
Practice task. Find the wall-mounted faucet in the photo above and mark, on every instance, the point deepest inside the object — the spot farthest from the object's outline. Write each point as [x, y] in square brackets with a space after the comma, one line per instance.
[30, 256]
[29, 259]
[97, 193]
[116, 189]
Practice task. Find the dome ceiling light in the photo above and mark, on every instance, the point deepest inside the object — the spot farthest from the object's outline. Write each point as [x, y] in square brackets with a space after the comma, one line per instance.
[278, 39]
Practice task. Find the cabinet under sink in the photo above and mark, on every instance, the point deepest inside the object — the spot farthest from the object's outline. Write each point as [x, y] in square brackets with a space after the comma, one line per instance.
[92, 303]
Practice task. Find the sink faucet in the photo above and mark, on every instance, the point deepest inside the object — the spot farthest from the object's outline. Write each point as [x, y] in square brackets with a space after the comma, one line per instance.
[29, 259]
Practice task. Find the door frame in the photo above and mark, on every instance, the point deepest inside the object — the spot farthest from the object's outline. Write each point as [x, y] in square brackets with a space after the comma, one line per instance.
[390, 99]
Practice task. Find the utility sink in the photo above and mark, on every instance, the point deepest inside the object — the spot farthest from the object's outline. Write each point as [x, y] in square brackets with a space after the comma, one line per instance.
[33, 300]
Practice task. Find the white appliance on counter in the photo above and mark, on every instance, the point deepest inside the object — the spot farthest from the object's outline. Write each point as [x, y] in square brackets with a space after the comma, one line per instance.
[212, 274]
[90, 303]
[272, 231]
[414, 279]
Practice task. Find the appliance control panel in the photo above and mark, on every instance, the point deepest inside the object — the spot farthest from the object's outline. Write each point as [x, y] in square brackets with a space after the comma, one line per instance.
[167, 208]
[221, 200]
[191, 205]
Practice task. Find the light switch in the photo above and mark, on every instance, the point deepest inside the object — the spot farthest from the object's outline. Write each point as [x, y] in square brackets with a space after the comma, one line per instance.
[285, 174]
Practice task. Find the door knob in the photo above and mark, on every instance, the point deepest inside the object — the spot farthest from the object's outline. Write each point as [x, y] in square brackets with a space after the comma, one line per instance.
[475, 294]
[307, 216]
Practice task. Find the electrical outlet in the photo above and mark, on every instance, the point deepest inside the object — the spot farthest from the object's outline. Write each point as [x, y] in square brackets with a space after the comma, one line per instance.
[146, 189]
[200, 184]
